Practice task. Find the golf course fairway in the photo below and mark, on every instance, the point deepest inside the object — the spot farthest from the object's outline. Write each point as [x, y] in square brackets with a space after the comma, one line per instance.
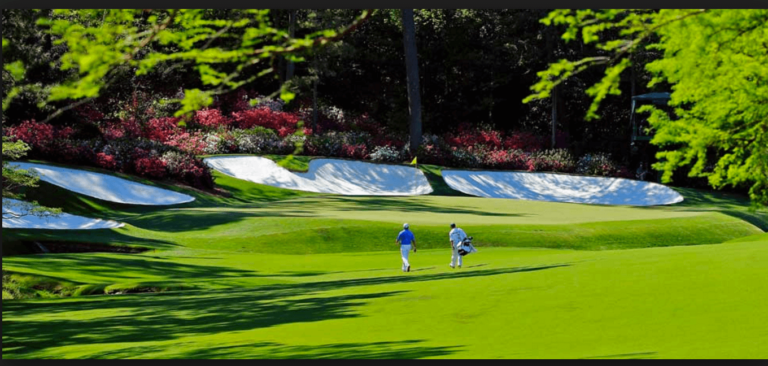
[265, 272]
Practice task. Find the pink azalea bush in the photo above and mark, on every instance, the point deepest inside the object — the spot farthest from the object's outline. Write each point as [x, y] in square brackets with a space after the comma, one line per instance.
[141, 139]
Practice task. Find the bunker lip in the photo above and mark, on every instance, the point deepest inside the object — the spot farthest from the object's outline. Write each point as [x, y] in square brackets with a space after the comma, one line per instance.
[104, 186]
[40, 247]
[336, 176]
[555, 187]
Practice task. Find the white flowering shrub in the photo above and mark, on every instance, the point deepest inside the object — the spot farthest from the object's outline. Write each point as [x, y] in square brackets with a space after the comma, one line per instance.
[388, 154]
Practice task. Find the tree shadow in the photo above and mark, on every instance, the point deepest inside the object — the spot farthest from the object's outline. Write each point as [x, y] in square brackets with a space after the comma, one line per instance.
[160, 318]
[755, 218]
[368, 203]
[731, 204]
[407, 349]
[100, 265]
[166, 316]
[636, 355]
[17, 237]
[191, 220]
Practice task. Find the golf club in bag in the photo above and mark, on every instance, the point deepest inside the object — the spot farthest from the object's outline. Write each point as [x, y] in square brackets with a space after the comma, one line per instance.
[466, 247]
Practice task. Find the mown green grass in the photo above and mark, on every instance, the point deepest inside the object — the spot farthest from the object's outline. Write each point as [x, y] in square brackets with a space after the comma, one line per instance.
[261, 272]
[680, 302]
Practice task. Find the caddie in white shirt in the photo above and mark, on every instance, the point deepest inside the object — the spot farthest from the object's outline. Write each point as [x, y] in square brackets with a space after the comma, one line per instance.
[457, 236]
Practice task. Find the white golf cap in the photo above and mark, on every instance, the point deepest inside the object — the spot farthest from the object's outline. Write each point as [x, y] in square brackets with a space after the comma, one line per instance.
[405, 226]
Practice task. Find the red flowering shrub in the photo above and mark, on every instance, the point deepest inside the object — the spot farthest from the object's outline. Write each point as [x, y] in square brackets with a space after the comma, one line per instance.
[525, 141]
[37, 135]
[67, 151]
[152, 167]
[188, 169]
[114, 130]
[284, 131]
[467, 136]
[211, 118]
[64, 133]
[506, 159]
[359, 151]
[193, 143]
[282, 122]
[139, 153]
[161, 129]
[106, 161]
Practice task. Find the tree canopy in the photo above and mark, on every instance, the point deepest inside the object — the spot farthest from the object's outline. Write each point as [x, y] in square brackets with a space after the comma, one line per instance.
[717, 64]
[228, 49]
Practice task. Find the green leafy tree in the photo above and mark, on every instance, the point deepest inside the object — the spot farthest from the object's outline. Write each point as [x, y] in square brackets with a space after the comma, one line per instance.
[228, 49]
[717, 64]
[15, 180]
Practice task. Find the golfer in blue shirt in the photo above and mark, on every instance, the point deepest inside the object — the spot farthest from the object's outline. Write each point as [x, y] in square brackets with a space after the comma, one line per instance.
[406, 239]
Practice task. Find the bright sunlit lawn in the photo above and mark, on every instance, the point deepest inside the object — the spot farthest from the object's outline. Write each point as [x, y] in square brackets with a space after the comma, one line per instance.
[271, 273]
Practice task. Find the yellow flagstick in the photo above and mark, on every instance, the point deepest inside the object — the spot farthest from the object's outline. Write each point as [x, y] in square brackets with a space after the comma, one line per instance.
[414, 162]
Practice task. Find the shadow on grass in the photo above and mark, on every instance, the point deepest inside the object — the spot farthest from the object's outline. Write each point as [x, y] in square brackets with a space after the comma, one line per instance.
[407, 349]
[755, 218]
[166, 316]
[174, 221]
[13, 239]
[157, 318]
[127, 266]
[731, 204]
[376, 350]
[368, 203]
[636, 355]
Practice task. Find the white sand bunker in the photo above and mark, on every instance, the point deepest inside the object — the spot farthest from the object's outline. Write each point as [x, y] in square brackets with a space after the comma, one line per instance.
[327, 176]
[65, 221]
[561, 188]
[105, 187]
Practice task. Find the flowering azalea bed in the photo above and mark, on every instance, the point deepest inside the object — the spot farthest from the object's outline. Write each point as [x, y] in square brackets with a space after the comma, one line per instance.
[160, 147]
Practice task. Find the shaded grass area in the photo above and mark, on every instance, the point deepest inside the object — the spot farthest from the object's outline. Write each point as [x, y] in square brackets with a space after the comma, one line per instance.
[18, 286]
[731, 204]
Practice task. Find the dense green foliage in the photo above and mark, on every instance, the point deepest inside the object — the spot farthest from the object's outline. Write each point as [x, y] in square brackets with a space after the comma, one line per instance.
[228, 50]
[716, 61]
[15, 181]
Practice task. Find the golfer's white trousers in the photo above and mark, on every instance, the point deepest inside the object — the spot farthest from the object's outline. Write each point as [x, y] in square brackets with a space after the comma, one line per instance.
[455, 256]
[404, 249]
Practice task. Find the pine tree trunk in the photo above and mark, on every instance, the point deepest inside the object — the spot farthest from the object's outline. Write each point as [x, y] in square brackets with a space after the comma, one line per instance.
[412, 73]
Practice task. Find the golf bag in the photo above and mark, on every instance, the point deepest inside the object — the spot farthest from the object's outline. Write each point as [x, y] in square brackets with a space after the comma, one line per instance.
[466, 247]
